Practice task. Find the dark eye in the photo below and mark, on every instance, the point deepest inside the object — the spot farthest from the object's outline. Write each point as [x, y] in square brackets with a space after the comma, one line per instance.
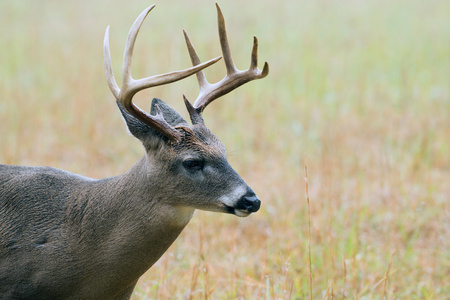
[193, 165]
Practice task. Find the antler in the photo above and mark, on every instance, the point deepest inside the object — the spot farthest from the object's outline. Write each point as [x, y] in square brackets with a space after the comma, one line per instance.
[130, 86]
[234, 78]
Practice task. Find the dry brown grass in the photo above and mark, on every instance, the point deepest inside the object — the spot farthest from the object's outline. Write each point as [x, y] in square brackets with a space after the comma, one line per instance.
[359, 88]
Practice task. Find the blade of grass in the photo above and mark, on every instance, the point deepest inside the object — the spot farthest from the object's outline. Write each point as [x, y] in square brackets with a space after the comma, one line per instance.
[386, 275]
[309, 231]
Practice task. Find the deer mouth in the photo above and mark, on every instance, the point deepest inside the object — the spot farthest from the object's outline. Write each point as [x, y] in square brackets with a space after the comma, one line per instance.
[241, 213]
[237, 212]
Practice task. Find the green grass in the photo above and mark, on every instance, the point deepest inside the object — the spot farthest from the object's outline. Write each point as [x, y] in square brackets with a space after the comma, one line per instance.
[358, 89]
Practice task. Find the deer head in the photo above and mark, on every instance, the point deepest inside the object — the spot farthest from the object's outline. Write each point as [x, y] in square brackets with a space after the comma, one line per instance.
[65, 236]
[185, 162]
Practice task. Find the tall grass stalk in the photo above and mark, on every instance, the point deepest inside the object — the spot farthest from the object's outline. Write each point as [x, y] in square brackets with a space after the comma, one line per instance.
[386, 276]
[309, 233]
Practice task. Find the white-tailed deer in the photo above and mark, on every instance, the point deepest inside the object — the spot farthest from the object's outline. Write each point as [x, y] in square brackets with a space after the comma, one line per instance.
[64, 236]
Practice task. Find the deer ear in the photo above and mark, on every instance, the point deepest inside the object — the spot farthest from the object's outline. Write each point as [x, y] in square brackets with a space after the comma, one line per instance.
[170, 115]
[137, 128]
[145, 133]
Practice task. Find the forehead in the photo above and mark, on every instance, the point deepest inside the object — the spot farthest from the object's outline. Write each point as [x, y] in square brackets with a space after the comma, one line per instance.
[200, 139]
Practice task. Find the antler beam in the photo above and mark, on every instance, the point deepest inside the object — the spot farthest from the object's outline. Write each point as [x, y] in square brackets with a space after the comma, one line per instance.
[130, 86]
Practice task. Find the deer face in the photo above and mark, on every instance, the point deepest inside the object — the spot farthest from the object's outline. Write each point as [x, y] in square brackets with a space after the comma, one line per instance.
[194, 171]
[189, 160]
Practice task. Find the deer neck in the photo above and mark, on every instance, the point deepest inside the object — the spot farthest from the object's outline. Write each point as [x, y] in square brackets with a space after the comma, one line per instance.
[133, 222]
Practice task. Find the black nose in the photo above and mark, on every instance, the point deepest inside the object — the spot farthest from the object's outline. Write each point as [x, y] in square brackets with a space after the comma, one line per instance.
[249, 202]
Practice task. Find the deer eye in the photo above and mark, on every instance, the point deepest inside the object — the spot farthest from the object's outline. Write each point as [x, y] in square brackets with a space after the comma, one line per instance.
[193, 165]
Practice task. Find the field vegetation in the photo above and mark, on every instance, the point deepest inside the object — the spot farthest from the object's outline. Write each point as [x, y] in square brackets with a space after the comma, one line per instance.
[358, 91]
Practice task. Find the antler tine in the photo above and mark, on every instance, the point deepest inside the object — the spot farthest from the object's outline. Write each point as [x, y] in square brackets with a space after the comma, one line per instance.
[131, 40]
[204, 85]
[195, 59]
[130, 86]
[231, 68]
[254, 63]
[108, 66]
[233, 79]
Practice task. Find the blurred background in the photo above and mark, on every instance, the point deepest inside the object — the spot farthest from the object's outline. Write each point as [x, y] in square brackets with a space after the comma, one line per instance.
[359, 91]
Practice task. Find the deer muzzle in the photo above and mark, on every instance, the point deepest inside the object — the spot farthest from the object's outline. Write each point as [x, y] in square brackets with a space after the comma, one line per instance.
[247, 204]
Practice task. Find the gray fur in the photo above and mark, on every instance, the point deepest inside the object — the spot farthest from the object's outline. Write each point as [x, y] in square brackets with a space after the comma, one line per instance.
[65, 236]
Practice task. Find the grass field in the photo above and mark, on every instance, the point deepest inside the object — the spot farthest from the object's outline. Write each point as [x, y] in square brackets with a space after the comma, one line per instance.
[358, 90]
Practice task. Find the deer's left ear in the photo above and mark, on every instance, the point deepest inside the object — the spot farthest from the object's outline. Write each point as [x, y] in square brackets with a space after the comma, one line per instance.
[146, 134]
[170, 115]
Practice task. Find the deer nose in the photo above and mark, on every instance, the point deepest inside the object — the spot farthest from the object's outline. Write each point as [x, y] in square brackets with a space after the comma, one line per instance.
[249, 202]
